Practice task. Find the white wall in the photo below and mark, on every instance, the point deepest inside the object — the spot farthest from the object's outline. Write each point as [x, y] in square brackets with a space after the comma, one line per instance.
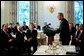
[45, 16]
[5, 12]
[40, 13]
[43, 13]
[2, 12]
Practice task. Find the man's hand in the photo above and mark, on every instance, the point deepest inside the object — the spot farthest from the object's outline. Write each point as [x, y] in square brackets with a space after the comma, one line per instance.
[10, 40]
[29, 39]
[78, 40]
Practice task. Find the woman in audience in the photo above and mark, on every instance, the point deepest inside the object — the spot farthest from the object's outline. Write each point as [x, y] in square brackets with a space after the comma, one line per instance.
[32, 37]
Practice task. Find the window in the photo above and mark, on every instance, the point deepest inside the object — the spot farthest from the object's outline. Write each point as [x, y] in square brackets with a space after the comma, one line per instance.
[78, 12]
[23, 12]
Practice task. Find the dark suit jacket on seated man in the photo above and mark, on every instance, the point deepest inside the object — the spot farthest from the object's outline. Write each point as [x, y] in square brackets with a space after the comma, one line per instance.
[82, 46]
[32, 37]
[20, 37]
[75, 40]
[16, 28]
[6, 36]
[72, 30]
[80, 40]
[6, 41]
[20, 40]
[63, 30]
[80, 36]
[25, 27]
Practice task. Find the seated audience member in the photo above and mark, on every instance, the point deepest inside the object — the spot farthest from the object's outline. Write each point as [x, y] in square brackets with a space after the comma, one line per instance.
[32, 37]
[37, 26]
[6, 37]
[20, 39]
[76, 35]
[82, 46]
[16, 27]
[80, 40]
[25, 27]
[11, 28]
[72, 30]
[80, 36]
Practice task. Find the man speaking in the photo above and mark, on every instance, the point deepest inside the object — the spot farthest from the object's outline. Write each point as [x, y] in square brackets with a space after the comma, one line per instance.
[63, 30]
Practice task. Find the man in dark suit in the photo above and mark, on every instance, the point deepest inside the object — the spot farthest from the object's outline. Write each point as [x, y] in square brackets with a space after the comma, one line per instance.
[72, 30]
[74, 42]
[11, 29]
[63, 30]
[20, 39]
[80, 40]
[6, 38]
[32, 37]
[80, 36]
[16, 28]
[25, 27]
[82, 46]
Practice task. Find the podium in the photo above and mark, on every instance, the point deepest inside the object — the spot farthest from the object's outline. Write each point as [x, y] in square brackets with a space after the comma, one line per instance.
[50, 33]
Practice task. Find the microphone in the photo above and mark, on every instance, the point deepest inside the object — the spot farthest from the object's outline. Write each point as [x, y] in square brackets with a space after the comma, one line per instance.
[49, 24]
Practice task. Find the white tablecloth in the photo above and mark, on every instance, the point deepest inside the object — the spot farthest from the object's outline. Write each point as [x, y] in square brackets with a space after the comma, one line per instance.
[42, 50]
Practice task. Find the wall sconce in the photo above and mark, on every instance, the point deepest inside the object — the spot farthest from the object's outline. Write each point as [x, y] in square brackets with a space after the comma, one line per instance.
[51, 8]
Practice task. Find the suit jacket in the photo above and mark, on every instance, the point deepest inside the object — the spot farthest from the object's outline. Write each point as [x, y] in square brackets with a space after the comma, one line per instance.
[64, 30]
[82, 45]
[74, 42]
[5, 38]
[25, 27]
[80, 37]
[20, 38]
[72, 31]
[15, 29]
[76, 34]
[10, 30]
[32, 35]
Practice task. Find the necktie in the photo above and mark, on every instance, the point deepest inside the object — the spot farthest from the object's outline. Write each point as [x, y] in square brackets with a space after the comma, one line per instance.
[76, 33]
